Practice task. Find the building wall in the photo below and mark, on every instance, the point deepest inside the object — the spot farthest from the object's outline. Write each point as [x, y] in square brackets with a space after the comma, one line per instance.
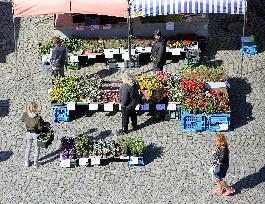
[196, 24]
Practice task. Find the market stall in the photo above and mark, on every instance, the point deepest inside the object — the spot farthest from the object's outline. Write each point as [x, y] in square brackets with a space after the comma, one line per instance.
[194, 91]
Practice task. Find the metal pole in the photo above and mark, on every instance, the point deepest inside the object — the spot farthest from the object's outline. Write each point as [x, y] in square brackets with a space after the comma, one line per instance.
[15, 43]
[243, 34]
[129, 34]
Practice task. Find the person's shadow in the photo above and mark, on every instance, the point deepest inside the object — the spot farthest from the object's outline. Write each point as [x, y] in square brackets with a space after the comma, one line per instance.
[250, 181]
[5, 155]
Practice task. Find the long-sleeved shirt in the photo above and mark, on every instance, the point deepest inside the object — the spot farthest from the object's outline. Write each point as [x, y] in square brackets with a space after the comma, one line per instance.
[129, 95]
[58, 56]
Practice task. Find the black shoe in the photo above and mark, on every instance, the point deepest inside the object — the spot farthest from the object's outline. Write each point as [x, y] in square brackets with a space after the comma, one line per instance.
[122, 132]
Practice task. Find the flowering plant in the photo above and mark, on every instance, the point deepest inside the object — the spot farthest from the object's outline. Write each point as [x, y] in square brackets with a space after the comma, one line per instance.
[195, 98]
[68, 148]
[111, 96]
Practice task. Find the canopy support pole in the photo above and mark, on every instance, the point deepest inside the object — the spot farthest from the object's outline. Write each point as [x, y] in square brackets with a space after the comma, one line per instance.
[129, 34]
[244, 25]
[15, 44]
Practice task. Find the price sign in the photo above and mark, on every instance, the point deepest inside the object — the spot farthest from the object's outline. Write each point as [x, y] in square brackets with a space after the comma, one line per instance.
[93, 106]
[108, 107]
[65, 163]
[171, 106]
[134, 160]
[74, 58]
[175, 51]
[160, 106]
[83, 161]
[70, 106]
[223, 126]
[144, 107]
[95, 161]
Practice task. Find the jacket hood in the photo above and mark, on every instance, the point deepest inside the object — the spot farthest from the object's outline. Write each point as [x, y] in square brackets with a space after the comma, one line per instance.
[32, 114]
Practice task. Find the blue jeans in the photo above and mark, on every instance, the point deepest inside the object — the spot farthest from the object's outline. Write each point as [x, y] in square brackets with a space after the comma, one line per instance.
[222, 173]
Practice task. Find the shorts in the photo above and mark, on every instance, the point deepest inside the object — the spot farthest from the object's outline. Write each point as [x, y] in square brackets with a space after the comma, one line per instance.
[222, 173]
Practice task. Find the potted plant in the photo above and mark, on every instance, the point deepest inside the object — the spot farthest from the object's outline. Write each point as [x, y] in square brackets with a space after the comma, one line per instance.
[136, 145]
[82, 145]
[124, 147]
[46, 137]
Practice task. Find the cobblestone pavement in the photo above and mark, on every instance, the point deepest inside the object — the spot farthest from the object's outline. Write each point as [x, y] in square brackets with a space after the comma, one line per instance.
[176, 163]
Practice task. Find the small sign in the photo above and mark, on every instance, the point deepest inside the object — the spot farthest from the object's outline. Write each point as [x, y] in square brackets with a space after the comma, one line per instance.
[175, 51]
[137, 107]
[106, 26]
[170, 26]
[108, 55]
[74, 58]
[94, 27]
[95, 161]
[108, 106]
[227, 84]
[80, 27]
[65, 163]
[134, 160]
[93, 106]
[83, 161]
[160, 106]
[144, 107]
[122, 157]
[91, 56]
[223, 126]
[171, 106]
[70, 106]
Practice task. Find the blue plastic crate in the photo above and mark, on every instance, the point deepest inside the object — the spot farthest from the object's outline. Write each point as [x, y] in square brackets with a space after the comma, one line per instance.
[192, 122]
[218, 122]
[60, 114]
[249, 49]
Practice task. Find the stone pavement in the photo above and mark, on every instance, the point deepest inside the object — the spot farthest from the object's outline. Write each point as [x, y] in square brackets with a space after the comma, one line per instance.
[176, 163]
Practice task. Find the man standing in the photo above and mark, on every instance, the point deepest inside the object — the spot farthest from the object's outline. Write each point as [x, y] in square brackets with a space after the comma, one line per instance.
[158, 55]
[129, 98]
[58, 57]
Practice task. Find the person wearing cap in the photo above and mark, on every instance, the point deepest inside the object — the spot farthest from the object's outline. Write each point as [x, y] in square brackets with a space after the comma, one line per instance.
[158, 55]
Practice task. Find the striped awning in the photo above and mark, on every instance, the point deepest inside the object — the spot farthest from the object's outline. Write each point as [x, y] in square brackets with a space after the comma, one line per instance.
[164, 7]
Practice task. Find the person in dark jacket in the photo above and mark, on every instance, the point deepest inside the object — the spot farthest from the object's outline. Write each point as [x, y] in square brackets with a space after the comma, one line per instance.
[158, 55]
[221, 155]
[34, 125]
[58, 58]
[129, 98]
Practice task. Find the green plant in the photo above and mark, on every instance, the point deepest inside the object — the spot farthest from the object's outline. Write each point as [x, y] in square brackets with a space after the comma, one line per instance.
[124, 146]
[136, 145]
[82, 144]
[64, 90]
[44, 48]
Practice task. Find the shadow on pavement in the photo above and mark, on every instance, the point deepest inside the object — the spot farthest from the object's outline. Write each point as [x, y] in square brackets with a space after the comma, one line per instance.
[152, 152]
[250, 181]
[55, 155]
[7, 30]
[241, 110]
[103, 135]
[4, 108]
[5, 155]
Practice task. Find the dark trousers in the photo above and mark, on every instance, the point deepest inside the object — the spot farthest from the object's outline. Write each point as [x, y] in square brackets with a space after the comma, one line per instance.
[126, 114]
[58, 72]
[158, 65]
